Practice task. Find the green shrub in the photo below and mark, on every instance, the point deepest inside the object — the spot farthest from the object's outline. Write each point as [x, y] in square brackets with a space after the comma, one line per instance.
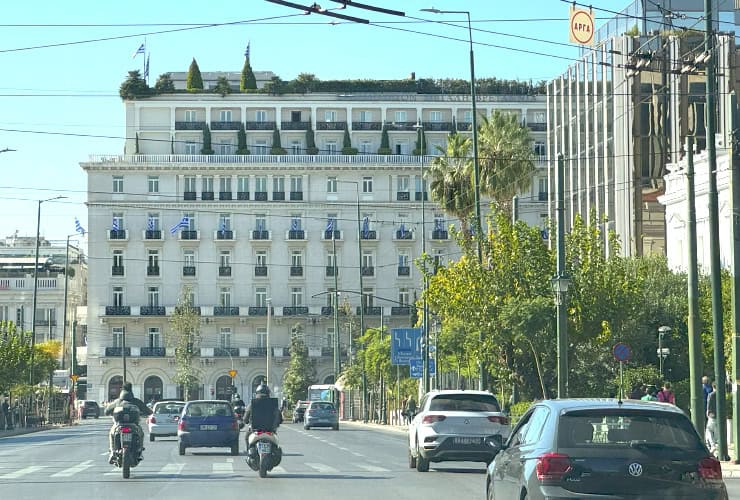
[518, 409]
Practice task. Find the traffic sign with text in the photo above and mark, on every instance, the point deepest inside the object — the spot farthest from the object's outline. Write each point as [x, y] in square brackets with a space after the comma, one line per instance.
[405, 345]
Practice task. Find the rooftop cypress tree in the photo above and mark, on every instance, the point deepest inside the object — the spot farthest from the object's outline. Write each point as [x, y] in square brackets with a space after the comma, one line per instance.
[347, 148]
[194, 80]
[277, 149]
[310, 141]
[241, 138]
[206, 141]
[385, 148]
[248, 81]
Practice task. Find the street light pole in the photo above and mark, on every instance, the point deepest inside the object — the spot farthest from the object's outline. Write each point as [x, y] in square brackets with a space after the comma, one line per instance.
[267, 368]
[424, 325]
[66, 288]
[560, 283]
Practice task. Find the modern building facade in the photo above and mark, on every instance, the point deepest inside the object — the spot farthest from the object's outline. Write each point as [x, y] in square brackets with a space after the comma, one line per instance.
[246, 232]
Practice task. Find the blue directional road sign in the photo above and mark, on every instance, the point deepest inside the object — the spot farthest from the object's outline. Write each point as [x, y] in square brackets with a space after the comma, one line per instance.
[416, 367]
[405, 345]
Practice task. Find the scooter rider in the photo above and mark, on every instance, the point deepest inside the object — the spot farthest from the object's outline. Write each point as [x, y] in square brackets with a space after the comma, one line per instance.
[239, 404]
[263, 391]
[127, 395]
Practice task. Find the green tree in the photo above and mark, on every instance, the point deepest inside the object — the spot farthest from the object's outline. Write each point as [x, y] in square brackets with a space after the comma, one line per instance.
[277, 148]
[385, 148]
[305, 82]
[301, 371]
[451, 183]
[248, 81]
[421, 142]
[241, 138]
[275, 86]
[15, 355]
[223, 86]
[134, 87]
[347, 148]
[194, 80]
[184, 335]
[164, 83]
[311, 148]
[207, 149]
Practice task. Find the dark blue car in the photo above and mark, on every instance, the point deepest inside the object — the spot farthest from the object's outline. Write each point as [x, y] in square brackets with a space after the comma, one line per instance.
[208, 424]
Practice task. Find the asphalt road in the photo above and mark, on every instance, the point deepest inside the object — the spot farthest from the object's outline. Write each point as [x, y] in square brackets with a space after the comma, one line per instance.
[353, 463]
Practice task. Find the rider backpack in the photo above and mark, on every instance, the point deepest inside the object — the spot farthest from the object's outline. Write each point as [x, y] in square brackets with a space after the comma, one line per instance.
[126, 413]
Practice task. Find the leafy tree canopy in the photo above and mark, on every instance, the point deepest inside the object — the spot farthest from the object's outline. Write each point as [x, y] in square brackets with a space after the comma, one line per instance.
[193, 80]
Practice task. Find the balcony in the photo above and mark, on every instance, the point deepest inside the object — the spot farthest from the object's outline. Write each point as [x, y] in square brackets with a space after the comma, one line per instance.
[296, 234]
[188, 235]
[400, 311]
[117, 234]
[260, 196]
[257, 311]
[404, 235]
[153, 352]
[404, 271]
[296, 270]
[116, 271]
[225, 352]
[242, 195]
[410, 126]
[330, 271]
[370, 235]
[296, 196]
[153, 234]
[295, 125]
[537, 127]
[542, 196]
[152, 270]
[116, 352]
[437, 126]
[189, 125]
[403, 196]
[188, 270]
[260, 235]
[440, 234]
[368, 271]
[295, 310]
[258, 352]
[367, 126]
[225, 125]
[206, 195]
[331, 125]
[464, 126]
[226, 234]
[327, 310]
[225, 311]
[417, 196]
[259, 125]
[224, 195]
[118, 310]
[370, 310]
[224, 271]
[260, 271]
[152, 311]
[194, 309]
[189, 196]
[333, 235]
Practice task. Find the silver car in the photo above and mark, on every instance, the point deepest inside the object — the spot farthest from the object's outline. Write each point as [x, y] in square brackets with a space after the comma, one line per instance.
[321, 414]
[164, 418]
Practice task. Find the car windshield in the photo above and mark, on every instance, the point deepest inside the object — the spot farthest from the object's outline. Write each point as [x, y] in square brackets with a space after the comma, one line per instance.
[465, 402]
[627, 428]
[168, 409]
[207, 409]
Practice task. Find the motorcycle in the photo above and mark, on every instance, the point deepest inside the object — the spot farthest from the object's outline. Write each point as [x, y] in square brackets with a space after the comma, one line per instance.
[239, 412]
[125, 448]
[263, 452]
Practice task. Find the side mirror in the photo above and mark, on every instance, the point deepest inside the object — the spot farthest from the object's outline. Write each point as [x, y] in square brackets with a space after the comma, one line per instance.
[495, 441]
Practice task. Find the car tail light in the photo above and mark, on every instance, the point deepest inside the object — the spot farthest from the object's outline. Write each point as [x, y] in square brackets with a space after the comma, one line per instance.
[430, 419]
[552, 466]
[182, 426]
[259, 433]
[499, 419]
[152, 420]
[126, 430]
[710, 468]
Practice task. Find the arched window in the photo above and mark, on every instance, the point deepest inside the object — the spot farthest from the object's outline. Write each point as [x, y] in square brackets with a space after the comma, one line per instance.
[223, 387]
[114, 387]
[152, 389]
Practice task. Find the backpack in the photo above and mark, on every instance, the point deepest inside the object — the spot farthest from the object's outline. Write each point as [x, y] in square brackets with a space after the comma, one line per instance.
[667, 397]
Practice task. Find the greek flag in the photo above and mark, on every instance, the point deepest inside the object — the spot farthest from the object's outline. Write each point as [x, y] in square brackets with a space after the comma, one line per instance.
[146, 68]
[184, 222]
[294, 225]
[330, 224]
[260, 225]
[222, 227]
[437, 224]
[115, 225]
[365, 227]
[150, 224]
[403, 230]
[246, 52]
[140, 50]
[78, 227]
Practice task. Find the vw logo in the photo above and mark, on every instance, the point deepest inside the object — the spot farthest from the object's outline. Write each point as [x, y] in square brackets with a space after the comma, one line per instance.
[635, 469]
[467, 421]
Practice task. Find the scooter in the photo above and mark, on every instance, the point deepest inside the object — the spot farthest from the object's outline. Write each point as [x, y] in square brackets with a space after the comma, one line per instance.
[263, 452]
[125, 448]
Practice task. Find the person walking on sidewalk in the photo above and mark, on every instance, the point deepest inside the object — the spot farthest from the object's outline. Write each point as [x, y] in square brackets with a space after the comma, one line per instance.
[410, 409]
[710, 434]
[5, 422]
[666, 394]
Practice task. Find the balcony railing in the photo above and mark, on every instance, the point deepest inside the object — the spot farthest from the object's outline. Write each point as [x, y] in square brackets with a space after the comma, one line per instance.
[189, 125]
[188, 270]
[206, 195]
[370, 310]
[189, 195]
[278, 196]
[327, 310]
[260, 270]
[117, 310]
[117, 234]
[411, 126]
[464, 126]
[261, 235]
[404, 270]
[403, 196]
[331, 125]
[227, 234]
[437, 126]
[440, 234]
[116, 271]
[537, 127]
[152, 311]
[295, 310]
[225, 311]
[417, 196]
[153, 234]
[152, 270]
[260, 196]
[296, 196]
[226, 351]
[224, 195]
[113, 352]
[225, 125]
[400, 311]
[336, 235]
[257, 311]
[296, 234]
[367, 125]
[153, 352]
[242, 195]
[258, 352]
[295, 125]
[224, 271]
[188, 235]
[195, 309]
[369, 235]
[368, 271]
[404, 235]
[296, 270]
[259, 125]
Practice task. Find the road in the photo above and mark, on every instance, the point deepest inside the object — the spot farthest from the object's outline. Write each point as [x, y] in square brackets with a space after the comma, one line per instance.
[356, 462]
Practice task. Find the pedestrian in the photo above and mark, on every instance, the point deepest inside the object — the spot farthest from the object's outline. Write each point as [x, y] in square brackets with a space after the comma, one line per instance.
[710, 434]
[637, 391]
[666, 395]
[403, 410]
[5, 422]
[706, 388]
[650, 392]
[410, 409]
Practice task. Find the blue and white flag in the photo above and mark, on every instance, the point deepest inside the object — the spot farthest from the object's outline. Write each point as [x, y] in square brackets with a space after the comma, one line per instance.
[403, 230]
[140, 50]
[146, 68]
[78, 227]
[246, 52]
[114, 225]
[294, 225]
[222, 227]
[150, 224]
[365, 227]
[437, 224]
[260, 225]
[330, 224]
[184, 222]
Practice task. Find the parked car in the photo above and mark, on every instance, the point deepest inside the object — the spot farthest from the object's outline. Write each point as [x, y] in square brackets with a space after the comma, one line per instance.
[321, 414]
[89, 408]
[164, 418]
[455, 426]
[208, 424]
[576, 448]
[299, 411]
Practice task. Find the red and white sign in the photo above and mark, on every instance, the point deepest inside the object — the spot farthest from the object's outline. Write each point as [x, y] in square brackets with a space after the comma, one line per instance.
[581, 26]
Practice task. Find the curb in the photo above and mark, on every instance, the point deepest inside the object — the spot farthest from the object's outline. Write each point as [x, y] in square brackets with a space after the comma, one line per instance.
[382, 427]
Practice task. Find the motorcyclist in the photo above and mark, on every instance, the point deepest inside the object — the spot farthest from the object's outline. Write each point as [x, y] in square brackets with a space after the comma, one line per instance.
[262, 391]
[239, 404]
[127, 395]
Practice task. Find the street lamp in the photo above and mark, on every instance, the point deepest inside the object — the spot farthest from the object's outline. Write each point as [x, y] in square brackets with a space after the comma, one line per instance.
[424, 326]
[36, 283]
[476, 167]
[66, 288]
[663, 352]
[268, 301]
[560, 284]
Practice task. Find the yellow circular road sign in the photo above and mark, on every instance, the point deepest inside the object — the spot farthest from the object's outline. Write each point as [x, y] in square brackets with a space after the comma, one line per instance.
[74, 377]
[232, 373]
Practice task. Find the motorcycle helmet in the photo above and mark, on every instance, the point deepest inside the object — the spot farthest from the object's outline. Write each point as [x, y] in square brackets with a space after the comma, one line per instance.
[262, 391]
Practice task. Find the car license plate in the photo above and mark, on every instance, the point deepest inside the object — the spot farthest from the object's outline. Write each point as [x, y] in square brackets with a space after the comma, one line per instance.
[126, 437]
[466, 440]
[263, 447]
[209, 427]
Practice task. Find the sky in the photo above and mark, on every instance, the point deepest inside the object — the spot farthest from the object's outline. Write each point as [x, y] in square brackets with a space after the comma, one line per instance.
[63, 63]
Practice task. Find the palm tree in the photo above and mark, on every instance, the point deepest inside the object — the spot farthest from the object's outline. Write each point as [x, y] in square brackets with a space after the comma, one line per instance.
[451, 184]
[505, 157]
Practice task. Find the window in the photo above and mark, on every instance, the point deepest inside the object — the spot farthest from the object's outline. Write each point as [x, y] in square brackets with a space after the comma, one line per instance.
[330, 116]
[118, 221]
[153, 258]
[191, 148]
[188, 258]
[366, 116]
[403, 259]
[400, 116]
[403, 184]
[261, 258]
[331, 259]
[542, 184]
[117, 336]
[331, 294]
[118, 184]
[225, 258]
[331, 185]
[366, 147]
[224, 297]
[296, 148]
[296, 258]
[207, 183]
[539, 117]
[224, 183]
[296, 296]
[242, 184]
[191, 221]
[468, 116]
[155, 337]
[224, 115]
[329, 336]
[296, 184]
[295, 116]
[295, 222]
[368, 259]
[260, 184]
[117, 296]
[153, 296]
[332, 218]
[435, 116]
[260, 296]
[418, 185]
[330, 147]
[404, 296]
[278, 184]
[152, 221]
[153, 183]
[260, 222]
[367, 184]
[117, 258]
[261, 333]
[260, 147]
[189, 183]
[225, 338]
[540, 149]
[224, 222]
[439, 257]
[260, 116]
[191, 115]
[368, 295]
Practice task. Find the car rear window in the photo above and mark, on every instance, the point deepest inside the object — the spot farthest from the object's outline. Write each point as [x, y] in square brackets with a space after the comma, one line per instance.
[322, 406]
[168, 409]
[464, 402]
[207, 409]
[638, 429]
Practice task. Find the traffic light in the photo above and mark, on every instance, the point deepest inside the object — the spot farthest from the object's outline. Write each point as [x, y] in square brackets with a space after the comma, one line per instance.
[190, 348]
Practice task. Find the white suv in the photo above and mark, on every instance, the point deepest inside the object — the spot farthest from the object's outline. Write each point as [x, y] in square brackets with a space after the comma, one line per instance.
[455, 426]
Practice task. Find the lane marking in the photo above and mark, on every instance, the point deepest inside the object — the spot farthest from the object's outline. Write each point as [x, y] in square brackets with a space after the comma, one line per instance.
[279, 469]
[371, 468]
[322, 467]
[223, 468]
[74, 470]
[171, 469]
[357, 454]
[22, 472]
